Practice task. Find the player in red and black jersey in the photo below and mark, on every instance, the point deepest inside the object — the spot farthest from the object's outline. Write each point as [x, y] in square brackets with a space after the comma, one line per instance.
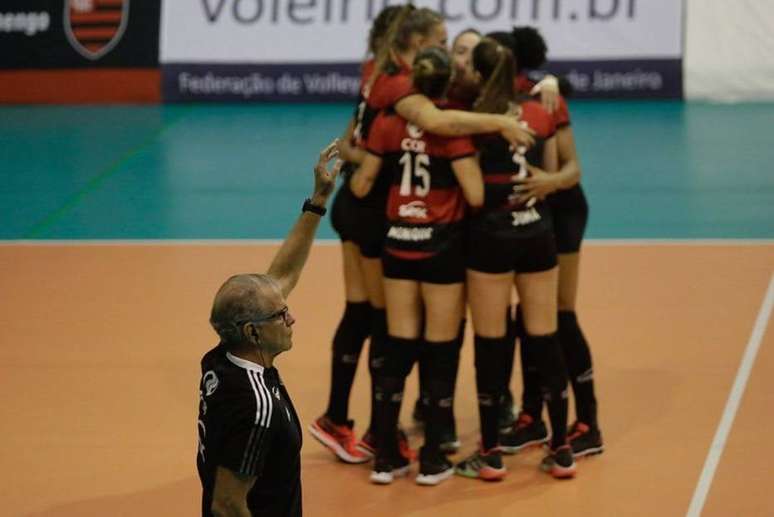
[364, 311]
[429, 178]
[570, 215]
[511, 243]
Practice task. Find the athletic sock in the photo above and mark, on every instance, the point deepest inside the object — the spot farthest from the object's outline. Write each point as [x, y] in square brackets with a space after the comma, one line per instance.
[399, 357]
[441, 360]
[376, 351]
[490, 360]
[579, 366]
[352, 331]
[553, 379]
[510, 357]
[531, 395]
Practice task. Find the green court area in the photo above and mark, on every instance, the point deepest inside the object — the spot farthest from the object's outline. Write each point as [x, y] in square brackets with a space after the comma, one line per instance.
[651, 169]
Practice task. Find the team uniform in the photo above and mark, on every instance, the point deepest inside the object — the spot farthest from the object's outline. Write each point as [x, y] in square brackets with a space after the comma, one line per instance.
[569, 208]
[248, 425]
[362, 221]
[425, 206]
[507, 235]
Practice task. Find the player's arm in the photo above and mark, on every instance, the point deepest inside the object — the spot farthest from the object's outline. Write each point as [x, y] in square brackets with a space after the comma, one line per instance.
[421, 111]
[542, 181]
[348, 152]
[229, 497]
[365, 175]
[468, 174]
[570, 172]
[286, 267]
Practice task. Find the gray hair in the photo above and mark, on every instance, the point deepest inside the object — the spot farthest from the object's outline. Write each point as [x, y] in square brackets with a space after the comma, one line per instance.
[239, 299]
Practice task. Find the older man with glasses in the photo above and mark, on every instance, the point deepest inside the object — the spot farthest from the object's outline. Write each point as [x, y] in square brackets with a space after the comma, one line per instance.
[249, 435]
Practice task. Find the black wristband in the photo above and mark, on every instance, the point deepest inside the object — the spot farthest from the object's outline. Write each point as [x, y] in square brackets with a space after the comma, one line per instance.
[309, 207]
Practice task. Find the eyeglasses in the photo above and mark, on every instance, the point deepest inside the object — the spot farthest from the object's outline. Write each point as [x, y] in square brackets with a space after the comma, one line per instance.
[282, 313]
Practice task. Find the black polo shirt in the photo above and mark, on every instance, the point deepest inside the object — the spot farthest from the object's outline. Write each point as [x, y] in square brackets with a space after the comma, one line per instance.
[248, 425]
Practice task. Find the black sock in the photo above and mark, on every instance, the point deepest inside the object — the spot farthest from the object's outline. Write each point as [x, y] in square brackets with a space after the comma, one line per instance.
[441, 360]
[578, 357]
[352, 331]
[531, 395]
[399, 357]
[510, 358]
[490, 360]
[553, 377]
[376, 351]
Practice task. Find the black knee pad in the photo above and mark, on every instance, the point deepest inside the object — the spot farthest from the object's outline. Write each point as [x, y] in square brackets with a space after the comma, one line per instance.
[491, 366]
[575, 348]
[378, 344]
[550, 363]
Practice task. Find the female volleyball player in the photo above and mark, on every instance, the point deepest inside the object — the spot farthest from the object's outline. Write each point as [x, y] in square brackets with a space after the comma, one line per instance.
[364, 311]
[511, 243]
[570, 214]
[430, 179]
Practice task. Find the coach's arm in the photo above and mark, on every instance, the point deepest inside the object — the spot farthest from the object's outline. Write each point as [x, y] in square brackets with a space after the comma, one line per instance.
[286, 267]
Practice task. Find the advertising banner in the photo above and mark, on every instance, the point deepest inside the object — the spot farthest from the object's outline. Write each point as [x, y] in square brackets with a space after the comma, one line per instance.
[250, 50]
[79, 50]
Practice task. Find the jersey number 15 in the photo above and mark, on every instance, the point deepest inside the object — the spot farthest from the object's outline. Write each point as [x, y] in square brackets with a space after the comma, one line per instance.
[415, 167]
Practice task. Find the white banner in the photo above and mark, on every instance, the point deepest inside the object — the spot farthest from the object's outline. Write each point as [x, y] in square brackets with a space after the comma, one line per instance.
[319, 31]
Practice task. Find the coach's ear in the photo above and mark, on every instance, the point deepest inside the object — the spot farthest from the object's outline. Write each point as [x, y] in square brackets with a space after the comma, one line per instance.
[251, 333]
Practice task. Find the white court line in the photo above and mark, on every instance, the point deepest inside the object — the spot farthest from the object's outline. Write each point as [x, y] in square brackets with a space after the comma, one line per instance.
[330, 242]
[732, 405]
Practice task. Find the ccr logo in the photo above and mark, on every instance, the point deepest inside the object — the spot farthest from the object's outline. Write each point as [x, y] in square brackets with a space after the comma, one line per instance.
[94, 27]
[414, 132]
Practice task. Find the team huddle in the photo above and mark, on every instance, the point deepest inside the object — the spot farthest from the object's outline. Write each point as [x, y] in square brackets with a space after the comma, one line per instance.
[461, 187]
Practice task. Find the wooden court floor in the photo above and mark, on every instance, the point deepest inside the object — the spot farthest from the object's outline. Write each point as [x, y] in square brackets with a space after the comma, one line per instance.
[99, 367]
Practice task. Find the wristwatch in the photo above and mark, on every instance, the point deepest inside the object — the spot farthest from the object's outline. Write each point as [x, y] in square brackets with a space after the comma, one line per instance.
[310, 207]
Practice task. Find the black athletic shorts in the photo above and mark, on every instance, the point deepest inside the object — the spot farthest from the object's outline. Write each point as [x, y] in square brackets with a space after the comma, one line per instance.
[490, 254]
[359, 222]
[570, 213]
[445, 267]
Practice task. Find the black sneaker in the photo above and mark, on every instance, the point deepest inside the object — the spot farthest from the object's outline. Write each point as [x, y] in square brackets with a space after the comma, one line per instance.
[386, 470]
[524, 433]
[585, 440]
[506, 417]
[450, 444]
[559, 463]
[486, 465]
[433, 469]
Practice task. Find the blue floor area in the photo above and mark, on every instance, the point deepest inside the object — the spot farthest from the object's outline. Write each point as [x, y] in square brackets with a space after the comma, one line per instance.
[650, 169]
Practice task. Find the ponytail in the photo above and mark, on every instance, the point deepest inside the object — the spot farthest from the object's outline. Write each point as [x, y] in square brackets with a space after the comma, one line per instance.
[384, 55]
[496, 65]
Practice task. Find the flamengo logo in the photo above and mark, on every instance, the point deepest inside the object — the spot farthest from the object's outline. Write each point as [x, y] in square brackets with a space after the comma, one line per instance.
[94, 27]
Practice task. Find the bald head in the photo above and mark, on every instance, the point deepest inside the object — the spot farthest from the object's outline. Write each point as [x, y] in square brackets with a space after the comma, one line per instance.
[241, 298]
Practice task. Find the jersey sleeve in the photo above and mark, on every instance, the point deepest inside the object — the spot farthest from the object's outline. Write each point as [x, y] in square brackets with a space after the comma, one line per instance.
[389, 89]
[247, 434]
[460, 147]
[561, 115]
[376, 136]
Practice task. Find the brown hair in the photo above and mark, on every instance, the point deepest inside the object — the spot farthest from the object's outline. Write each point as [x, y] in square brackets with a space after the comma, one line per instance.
[432, 72]
[497, 67]
[380, 27]
[407, 22]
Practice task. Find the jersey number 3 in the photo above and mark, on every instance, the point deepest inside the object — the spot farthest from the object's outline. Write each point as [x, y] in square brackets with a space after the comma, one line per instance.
[415, 167]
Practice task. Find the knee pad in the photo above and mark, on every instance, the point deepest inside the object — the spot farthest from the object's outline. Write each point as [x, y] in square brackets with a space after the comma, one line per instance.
[353, 329]
[399, 356]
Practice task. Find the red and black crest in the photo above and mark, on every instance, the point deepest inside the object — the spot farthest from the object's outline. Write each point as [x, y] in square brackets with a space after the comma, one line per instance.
[94, 27]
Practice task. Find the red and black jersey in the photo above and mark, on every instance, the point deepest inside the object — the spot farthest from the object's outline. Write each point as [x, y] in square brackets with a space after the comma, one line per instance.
[561, 115]
[502, 213]
[392, 85]
[425, 206]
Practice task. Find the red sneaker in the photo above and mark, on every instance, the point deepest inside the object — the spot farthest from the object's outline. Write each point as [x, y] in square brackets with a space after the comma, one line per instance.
[367, 445]
[340, 439]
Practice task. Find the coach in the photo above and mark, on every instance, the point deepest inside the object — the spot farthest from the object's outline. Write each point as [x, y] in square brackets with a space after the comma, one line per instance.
[249, 435]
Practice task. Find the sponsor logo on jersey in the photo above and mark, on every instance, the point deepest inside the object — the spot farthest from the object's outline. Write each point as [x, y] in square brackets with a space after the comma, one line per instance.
[94, 27]
[28, 24]
[525, 217]
[210, 383]
[400, 233]
[414, 210]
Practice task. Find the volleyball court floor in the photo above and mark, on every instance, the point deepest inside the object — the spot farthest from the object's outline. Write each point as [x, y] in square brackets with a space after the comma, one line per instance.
[108, 267]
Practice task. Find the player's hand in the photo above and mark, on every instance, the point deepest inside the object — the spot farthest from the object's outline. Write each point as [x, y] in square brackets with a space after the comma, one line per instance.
[517, 132]
[539, 184]
[325, 179]
[548, 88]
